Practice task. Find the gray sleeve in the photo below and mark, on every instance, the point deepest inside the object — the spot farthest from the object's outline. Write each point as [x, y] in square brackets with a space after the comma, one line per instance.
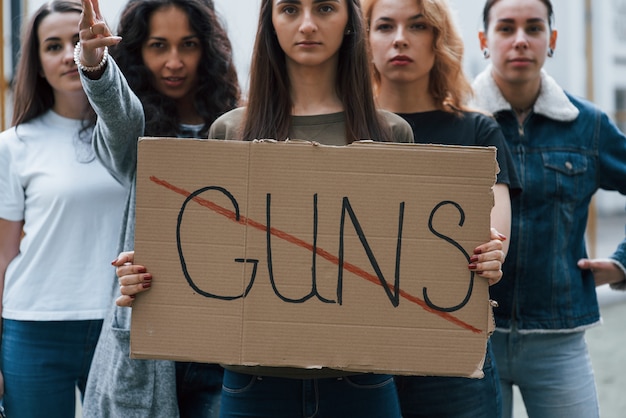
[120, 122]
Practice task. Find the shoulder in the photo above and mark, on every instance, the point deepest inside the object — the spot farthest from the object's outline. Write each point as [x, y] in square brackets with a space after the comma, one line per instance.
[228, 125]
[7, 137]
[481, 120]
[400, 128]
[585, 107]
[34, 128]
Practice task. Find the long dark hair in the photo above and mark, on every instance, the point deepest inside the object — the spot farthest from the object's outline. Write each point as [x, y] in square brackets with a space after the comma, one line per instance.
[268, 112]
[218, 86]
[490, 3]
[32, 94]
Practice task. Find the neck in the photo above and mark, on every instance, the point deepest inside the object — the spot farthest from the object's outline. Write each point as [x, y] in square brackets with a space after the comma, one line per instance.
[521, 96]
[393, 97]
[71, 105]
[313, 89]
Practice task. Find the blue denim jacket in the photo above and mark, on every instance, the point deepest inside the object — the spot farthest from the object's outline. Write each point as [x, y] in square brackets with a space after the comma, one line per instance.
[564, 152]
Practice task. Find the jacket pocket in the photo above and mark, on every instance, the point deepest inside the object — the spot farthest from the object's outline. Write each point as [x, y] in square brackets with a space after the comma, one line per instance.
[565, 175]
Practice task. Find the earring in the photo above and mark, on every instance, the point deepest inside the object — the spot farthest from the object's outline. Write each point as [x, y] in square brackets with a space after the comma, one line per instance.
[347, 32]
[486, 53]
[550, 52]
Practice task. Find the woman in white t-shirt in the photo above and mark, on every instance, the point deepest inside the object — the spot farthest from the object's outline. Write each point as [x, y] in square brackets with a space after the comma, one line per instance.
[60, 216]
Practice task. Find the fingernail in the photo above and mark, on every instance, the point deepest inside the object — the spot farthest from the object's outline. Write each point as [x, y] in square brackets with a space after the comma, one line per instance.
[474, 259]
[502, 237]
[114, 262]
[479, 272]
[147, 277]
[478, 251]
[132, 296]
[146, 285]
[141, 269]
[472, 266]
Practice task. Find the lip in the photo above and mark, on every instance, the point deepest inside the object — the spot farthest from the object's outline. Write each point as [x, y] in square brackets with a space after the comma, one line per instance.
[71, 73]
[173, 82]
[520, 61]
[308, 44]
[401, 60]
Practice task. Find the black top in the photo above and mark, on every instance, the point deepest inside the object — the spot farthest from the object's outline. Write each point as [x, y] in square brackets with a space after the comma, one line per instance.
[466, 128]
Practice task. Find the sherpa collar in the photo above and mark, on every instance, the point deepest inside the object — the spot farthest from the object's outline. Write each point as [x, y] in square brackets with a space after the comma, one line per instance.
[552, 101]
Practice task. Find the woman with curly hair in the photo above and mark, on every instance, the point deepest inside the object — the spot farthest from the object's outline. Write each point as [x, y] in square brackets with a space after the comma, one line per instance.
[170, 73]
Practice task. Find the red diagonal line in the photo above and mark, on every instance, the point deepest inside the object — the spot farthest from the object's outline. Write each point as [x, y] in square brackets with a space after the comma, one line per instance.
[322, 253]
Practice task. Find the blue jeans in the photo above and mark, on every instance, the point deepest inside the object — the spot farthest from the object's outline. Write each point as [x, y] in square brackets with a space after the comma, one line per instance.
[452, 397]
[363, 396]
[552, 370]
[43, 362]
[198, 389]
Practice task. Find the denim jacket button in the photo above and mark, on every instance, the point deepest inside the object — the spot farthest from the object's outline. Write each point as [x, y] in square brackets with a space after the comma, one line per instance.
[569, 165]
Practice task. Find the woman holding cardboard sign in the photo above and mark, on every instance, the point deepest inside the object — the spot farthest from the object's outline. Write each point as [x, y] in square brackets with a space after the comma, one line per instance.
[417, 70]
[177, 60]
[565, 149]
[316, 51]
[309, 66]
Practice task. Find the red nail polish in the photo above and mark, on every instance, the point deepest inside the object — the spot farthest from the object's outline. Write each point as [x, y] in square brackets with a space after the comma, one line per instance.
[472, 266]
[474, 259]
[146, 285]
[479, 272]
[478, 251]
[114, 262]
[147, 277]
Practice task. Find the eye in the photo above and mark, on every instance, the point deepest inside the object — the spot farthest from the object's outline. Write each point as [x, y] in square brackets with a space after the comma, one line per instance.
[383, 27]
[53, 47]
[326, 8]
[289, 10]
[419, 26]
[191, 44]
[156, 45]
[504, 29]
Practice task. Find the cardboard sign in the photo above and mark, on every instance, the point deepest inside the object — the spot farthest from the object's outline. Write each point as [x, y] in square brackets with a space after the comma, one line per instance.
[295, 254]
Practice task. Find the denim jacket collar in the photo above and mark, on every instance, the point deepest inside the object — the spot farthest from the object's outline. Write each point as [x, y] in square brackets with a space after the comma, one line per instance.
[552, 102]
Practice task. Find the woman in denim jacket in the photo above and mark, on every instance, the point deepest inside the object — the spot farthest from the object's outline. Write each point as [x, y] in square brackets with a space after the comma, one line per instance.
[564, 150]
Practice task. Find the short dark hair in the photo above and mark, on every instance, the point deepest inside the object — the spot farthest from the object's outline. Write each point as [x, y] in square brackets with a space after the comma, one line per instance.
[490, 3]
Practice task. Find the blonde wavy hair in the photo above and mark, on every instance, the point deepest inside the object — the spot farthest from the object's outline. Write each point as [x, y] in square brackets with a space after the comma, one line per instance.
[449, 86]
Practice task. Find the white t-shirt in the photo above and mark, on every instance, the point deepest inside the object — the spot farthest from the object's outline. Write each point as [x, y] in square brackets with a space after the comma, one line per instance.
[72, 214]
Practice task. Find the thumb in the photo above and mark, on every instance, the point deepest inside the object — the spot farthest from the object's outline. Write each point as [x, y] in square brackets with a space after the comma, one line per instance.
[584, 264]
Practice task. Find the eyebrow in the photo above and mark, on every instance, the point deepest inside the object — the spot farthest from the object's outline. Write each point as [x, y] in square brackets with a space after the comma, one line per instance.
[416, 17]
[160, 38]
[299, 1]
[531, 20]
